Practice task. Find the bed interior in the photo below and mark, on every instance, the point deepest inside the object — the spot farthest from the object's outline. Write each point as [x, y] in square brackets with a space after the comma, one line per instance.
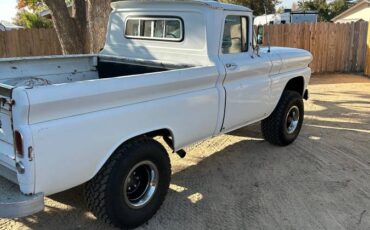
[114, 69]
[60, 71]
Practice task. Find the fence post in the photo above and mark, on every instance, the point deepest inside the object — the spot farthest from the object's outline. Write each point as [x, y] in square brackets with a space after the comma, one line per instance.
[367, 60]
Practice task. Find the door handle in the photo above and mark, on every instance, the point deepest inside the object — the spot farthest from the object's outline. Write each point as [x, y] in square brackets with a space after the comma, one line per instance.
[231, 66]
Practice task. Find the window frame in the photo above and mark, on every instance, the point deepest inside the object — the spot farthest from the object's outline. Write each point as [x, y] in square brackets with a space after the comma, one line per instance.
[153, 18]
[247, 33]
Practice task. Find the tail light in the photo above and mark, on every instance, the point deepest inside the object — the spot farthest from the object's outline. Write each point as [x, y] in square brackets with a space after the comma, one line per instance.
[18, 143]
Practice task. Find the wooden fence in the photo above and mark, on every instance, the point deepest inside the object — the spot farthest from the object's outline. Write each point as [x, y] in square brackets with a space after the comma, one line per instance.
[33, 42]
[335, 47]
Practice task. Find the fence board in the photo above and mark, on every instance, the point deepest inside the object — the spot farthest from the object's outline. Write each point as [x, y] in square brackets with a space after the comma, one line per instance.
[362, 47]
[2, 45]
[335, 47]
[367, 55]
[29, 42]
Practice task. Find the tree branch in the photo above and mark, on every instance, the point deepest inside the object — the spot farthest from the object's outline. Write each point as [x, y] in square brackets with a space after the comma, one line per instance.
[69, 33]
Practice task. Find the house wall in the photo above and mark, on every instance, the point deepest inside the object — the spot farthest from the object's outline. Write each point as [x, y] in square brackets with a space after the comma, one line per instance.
[360, 12]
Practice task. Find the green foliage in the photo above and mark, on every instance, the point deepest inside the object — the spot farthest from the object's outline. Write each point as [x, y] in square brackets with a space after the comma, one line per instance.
[35, 5]
[258, 6]
[327, 11]
[339, 6]
[280, 10]
[319, 5]
[32, 20]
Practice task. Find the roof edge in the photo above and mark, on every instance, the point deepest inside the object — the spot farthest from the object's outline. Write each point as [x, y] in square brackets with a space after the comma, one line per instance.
[210, 3]
[350, 9]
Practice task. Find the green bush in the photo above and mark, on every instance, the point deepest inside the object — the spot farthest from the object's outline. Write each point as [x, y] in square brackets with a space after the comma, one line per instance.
[32, 20]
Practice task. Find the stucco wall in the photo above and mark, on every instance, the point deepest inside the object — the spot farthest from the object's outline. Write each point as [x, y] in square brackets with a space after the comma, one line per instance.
[360, 12]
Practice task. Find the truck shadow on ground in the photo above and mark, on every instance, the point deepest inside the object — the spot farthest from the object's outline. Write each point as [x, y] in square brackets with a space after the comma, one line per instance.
[239, 187]
[186, 192]
[347, 114]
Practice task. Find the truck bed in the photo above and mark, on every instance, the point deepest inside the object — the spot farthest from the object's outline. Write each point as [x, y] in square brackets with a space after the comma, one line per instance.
[41, 71]
[38, 73]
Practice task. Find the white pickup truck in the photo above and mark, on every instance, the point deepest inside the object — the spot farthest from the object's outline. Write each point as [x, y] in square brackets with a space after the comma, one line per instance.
[181, 70]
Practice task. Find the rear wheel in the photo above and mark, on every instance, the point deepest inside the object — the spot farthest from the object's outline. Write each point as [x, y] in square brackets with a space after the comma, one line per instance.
[132, 185]
[282, 127]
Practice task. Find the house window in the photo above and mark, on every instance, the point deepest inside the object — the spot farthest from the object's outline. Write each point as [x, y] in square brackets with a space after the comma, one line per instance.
[152, 28]
[235, 38]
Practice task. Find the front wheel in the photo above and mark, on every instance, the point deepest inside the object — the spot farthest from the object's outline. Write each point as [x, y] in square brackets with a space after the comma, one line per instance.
[284, 124]
[132, 185]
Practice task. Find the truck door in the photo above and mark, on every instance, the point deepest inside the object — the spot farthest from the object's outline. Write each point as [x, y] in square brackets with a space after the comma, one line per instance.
[247, 82]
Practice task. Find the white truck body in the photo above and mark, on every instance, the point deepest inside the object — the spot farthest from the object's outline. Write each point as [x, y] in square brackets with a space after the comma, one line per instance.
[72, 112]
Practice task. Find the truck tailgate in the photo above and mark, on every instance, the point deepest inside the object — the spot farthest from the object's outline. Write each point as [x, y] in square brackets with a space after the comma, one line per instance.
[7, 156]
[13, 204]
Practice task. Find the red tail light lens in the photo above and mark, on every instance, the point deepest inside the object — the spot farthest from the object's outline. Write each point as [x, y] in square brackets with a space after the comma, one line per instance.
[18, 143]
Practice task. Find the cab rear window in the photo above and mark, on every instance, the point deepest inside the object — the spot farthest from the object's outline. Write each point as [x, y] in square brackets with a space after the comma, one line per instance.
[163, 29]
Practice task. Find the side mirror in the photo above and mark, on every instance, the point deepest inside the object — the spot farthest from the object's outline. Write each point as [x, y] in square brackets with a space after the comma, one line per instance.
[260, 33]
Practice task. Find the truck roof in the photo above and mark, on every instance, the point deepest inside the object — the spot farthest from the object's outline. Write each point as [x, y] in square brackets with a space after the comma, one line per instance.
[211, 4]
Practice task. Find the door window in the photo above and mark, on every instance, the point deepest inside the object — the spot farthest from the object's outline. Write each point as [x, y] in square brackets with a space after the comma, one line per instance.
[235, 38]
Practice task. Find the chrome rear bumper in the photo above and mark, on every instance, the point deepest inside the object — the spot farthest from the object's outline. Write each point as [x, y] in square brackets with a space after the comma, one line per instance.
[13, 204]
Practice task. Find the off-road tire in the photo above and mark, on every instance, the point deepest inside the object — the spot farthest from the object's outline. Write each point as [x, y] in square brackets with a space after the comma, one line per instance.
[274, 128]
[103, 193]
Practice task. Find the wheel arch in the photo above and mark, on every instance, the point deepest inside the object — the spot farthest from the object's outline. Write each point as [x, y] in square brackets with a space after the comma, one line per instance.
[166, 133]
[296, 84]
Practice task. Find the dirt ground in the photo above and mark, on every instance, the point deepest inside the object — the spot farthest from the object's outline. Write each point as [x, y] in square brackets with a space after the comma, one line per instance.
[239, 181]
